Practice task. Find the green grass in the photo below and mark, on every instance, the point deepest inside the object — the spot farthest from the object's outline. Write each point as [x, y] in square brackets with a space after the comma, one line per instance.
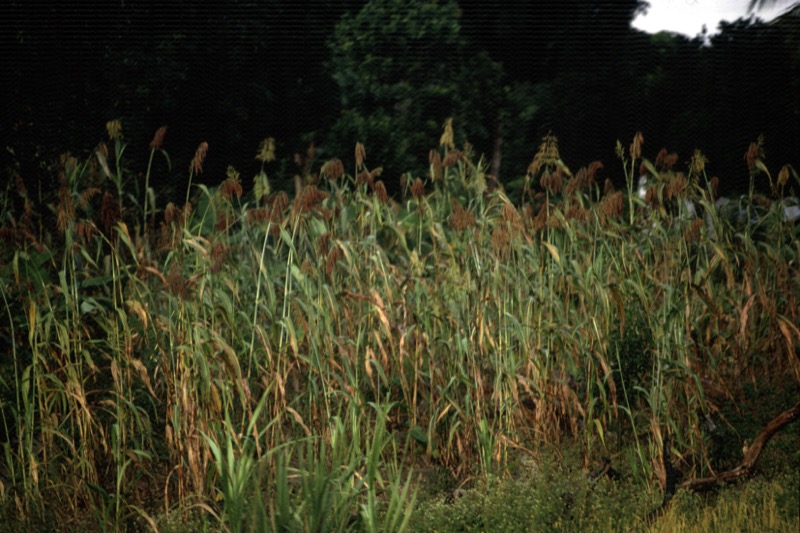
[556, 499]
[255, 360]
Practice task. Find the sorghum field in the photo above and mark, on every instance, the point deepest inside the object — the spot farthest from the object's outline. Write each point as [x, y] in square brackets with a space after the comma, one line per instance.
[454, 356]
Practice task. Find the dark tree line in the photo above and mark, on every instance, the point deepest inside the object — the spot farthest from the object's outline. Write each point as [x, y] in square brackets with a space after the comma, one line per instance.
[328, 72]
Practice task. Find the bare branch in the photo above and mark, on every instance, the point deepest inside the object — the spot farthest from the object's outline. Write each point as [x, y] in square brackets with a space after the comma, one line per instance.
[750, 455]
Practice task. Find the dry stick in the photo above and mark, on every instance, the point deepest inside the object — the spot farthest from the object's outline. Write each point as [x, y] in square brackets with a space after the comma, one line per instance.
[750, 456]
[741, 471]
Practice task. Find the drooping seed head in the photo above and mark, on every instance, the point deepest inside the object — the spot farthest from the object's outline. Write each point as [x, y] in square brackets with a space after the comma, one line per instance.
[714, 182]
[692, 232]
[417, 189]
[158, 138]
[380, 192]
[196, 166]
[665, 160]
[333, 169]
[635, 149]
[361, 155]
[460, 219]
[783, 176]
[114, 129]
[435, 161]
[698, 164]
[109, 212]
[451, 158]
[266, 150]
[447, 138]
[547, 154]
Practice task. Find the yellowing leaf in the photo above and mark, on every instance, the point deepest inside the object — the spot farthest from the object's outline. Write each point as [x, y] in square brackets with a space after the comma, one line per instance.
[553, 252]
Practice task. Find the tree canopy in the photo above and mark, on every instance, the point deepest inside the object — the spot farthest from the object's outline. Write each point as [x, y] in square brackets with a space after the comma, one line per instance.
[401, 70]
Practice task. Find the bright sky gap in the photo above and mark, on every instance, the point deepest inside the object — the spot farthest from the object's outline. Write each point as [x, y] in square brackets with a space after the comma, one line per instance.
[689, 16]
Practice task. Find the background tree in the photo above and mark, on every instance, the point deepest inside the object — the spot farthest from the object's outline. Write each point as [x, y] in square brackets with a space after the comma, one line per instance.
[403, 68]
[233, 73]
[229, 73]
[573, 65]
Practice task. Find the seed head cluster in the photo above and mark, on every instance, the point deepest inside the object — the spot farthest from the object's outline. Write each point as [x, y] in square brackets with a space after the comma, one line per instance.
[755, 152]
[417, 189]
[611, 206]
[511, 216]
[308, 199]
[552, 182]
[361, 155]
[546, 156]
[693, 230]
[109, 212]
[435, 161]
[219, 255]
[333, 169]
[114, 129]
[460, 219]
[381, 193]
[635, 149]
[501, 239]
[665, 160]
[196, 166]
[266, 150]
[231, 186]
[158, 138]
[676, 187]
[451, 158]
[714, 183]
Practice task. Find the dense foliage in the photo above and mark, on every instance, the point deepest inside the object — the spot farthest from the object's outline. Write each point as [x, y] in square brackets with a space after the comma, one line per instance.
[282, 362]
[401, 71]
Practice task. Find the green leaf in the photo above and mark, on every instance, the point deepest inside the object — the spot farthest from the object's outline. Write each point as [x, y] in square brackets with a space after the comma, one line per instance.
[419, 435]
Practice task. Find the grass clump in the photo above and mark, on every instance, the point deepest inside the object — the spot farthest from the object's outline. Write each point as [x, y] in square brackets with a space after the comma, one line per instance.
[555, 498]
[759, 505]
